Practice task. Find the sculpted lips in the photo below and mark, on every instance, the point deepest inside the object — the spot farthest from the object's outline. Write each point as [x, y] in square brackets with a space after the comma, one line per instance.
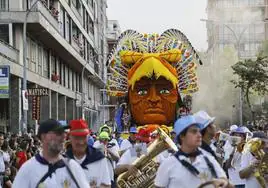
[154, 111]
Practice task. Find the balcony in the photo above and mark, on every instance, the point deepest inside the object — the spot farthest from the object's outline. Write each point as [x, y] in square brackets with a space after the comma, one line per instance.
[77, 13]
[45, 28]
[9, 52]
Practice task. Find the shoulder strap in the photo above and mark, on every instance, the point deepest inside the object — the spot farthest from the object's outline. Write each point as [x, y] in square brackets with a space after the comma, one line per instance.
[43, 179]
[51, 170]
[66, 161]
[211, 167]
[194, 170]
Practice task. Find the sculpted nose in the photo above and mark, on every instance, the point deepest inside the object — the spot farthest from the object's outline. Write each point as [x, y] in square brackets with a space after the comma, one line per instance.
[153, 97]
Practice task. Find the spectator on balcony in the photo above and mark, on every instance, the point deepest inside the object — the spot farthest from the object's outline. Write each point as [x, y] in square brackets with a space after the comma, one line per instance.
[54, 12]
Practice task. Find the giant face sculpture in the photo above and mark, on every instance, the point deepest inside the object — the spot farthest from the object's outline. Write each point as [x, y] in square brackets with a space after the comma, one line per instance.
[153, 101]
[152, 71]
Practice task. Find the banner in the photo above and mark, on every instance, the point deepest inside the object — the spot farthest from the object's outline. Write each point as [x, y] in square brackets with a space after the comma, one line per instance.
[36, 107]
[4, 82]
[25, 104]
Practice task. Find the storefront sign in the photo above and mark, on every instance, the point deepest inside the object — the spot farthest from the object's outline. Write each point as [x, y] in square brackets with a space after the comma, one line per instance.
[38, 92]
[4, 82]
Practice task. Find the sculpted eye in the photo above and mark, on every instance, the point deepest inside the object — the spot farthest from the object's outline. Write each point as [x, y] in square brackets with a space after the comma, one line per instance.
[164, 91]
[142, 92]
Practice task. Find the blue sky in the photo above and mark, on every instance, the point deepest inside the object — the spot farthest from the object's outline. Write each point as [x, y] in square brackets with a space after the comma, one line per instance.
[156, 16]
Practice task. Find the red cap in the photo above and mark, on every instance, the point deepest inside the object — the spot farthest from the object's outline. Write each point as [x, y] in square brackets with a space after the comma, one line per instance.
[79, 128]
[143, 135]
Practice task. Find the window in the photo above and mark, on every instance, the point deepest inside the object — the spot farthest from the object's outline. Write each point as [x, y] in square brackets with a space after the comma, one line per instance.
[4, 33]
[33, 56]
[60, 71]
[77, 4]
[90, 2]
[40, 59]
[4, 5]
[90, 25]
[28, 52]
[63, 75]
[61, 21]
[66, 77]
[74, 81]
[46, 64]
[67, 28]
[53, 64]
[71, 79]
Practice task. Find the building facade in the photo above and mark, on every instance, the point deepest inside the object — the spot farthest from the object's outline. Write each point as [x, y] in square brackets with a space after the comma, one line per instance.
[113, 33]
[234, 28]
[65, 40]
[240, 23]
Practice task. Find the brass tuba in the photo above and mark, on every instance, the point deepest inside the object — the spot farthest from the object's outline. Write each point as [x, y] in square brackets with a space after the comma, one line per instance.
[146, 165]
[254, 146]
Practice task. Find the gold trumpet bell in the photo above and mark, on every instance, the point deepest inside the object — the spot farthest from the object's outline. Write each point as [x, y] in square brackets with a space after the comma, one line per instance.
[254, 146]
[146, 165]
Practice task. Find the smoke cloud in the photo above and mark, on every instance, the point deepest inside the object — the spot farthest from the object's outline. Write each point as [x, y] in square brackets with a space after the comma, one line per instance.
[217, 94]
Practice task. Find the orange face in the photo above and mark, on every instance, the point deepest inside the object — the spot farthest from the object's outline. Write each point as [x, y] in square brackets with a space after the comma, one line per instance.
[153, 101]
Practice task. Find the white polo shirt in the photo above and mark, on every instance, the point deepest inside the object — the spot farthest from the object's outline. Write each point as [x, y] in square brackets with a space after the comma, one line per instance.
[125, 145]
[115, 151]
[97, 171]
[127, 158]
[162, 156]
[246, 160]
[2, 161]
[32, 171]
[233, 172]
[172, 174]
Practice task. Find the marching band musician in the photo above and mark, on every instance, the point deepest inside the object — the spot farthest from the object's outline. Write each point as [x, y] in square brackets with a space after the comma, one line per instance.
[90, 159]
[189, 167]
[250, 163]
[128, 143]
[125, 162]
[233, 164]
[111, 151]
[48, 168]
[208, 131]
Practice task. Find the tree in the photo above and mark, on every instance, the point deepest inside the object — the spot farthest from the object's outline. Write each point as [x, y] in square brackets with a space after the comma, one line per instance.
[252, 78]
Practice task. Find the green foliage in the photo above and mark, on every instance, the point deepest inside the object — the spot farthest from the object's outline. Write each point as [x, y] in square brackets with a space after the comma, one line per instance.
[263, 50]
[252, 76]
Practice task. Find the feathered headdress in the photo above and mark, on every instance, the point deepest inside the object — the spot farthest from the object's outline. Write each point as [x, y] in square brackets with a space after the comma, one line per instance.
[136, 55]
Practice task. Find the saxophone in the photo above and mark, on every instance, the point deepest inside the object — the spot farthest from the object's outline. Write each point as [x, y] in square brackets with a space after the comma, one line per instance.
[146, 165]
[255, 145]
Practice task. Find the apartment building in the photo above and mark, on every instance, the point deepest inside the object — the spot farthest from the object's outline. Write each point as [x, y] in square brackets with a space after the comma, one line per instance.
[64, 38]
[241, 23]
[113, 33]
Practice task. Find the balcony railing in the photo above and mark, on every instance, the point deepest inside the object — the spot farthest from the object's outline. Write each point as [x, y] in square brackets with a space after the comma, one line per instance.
[9, 52]
[51, 15]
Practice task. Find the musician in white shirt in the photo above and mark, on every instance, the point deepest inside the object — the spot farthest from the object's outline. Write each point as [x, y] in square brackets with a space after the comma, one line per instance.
[249, 164]
[48, 168]
[189, 167]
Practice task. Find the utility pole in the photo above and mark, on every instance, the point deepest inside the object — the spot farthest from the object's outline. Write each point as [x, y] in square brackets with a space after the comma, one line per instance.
[24, 81]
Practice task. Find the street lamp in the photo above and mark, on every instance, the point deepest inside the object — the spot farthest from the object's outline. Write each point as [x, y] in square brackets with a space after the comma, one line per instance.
[237, 46]
[82, 91]
[24, 84]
